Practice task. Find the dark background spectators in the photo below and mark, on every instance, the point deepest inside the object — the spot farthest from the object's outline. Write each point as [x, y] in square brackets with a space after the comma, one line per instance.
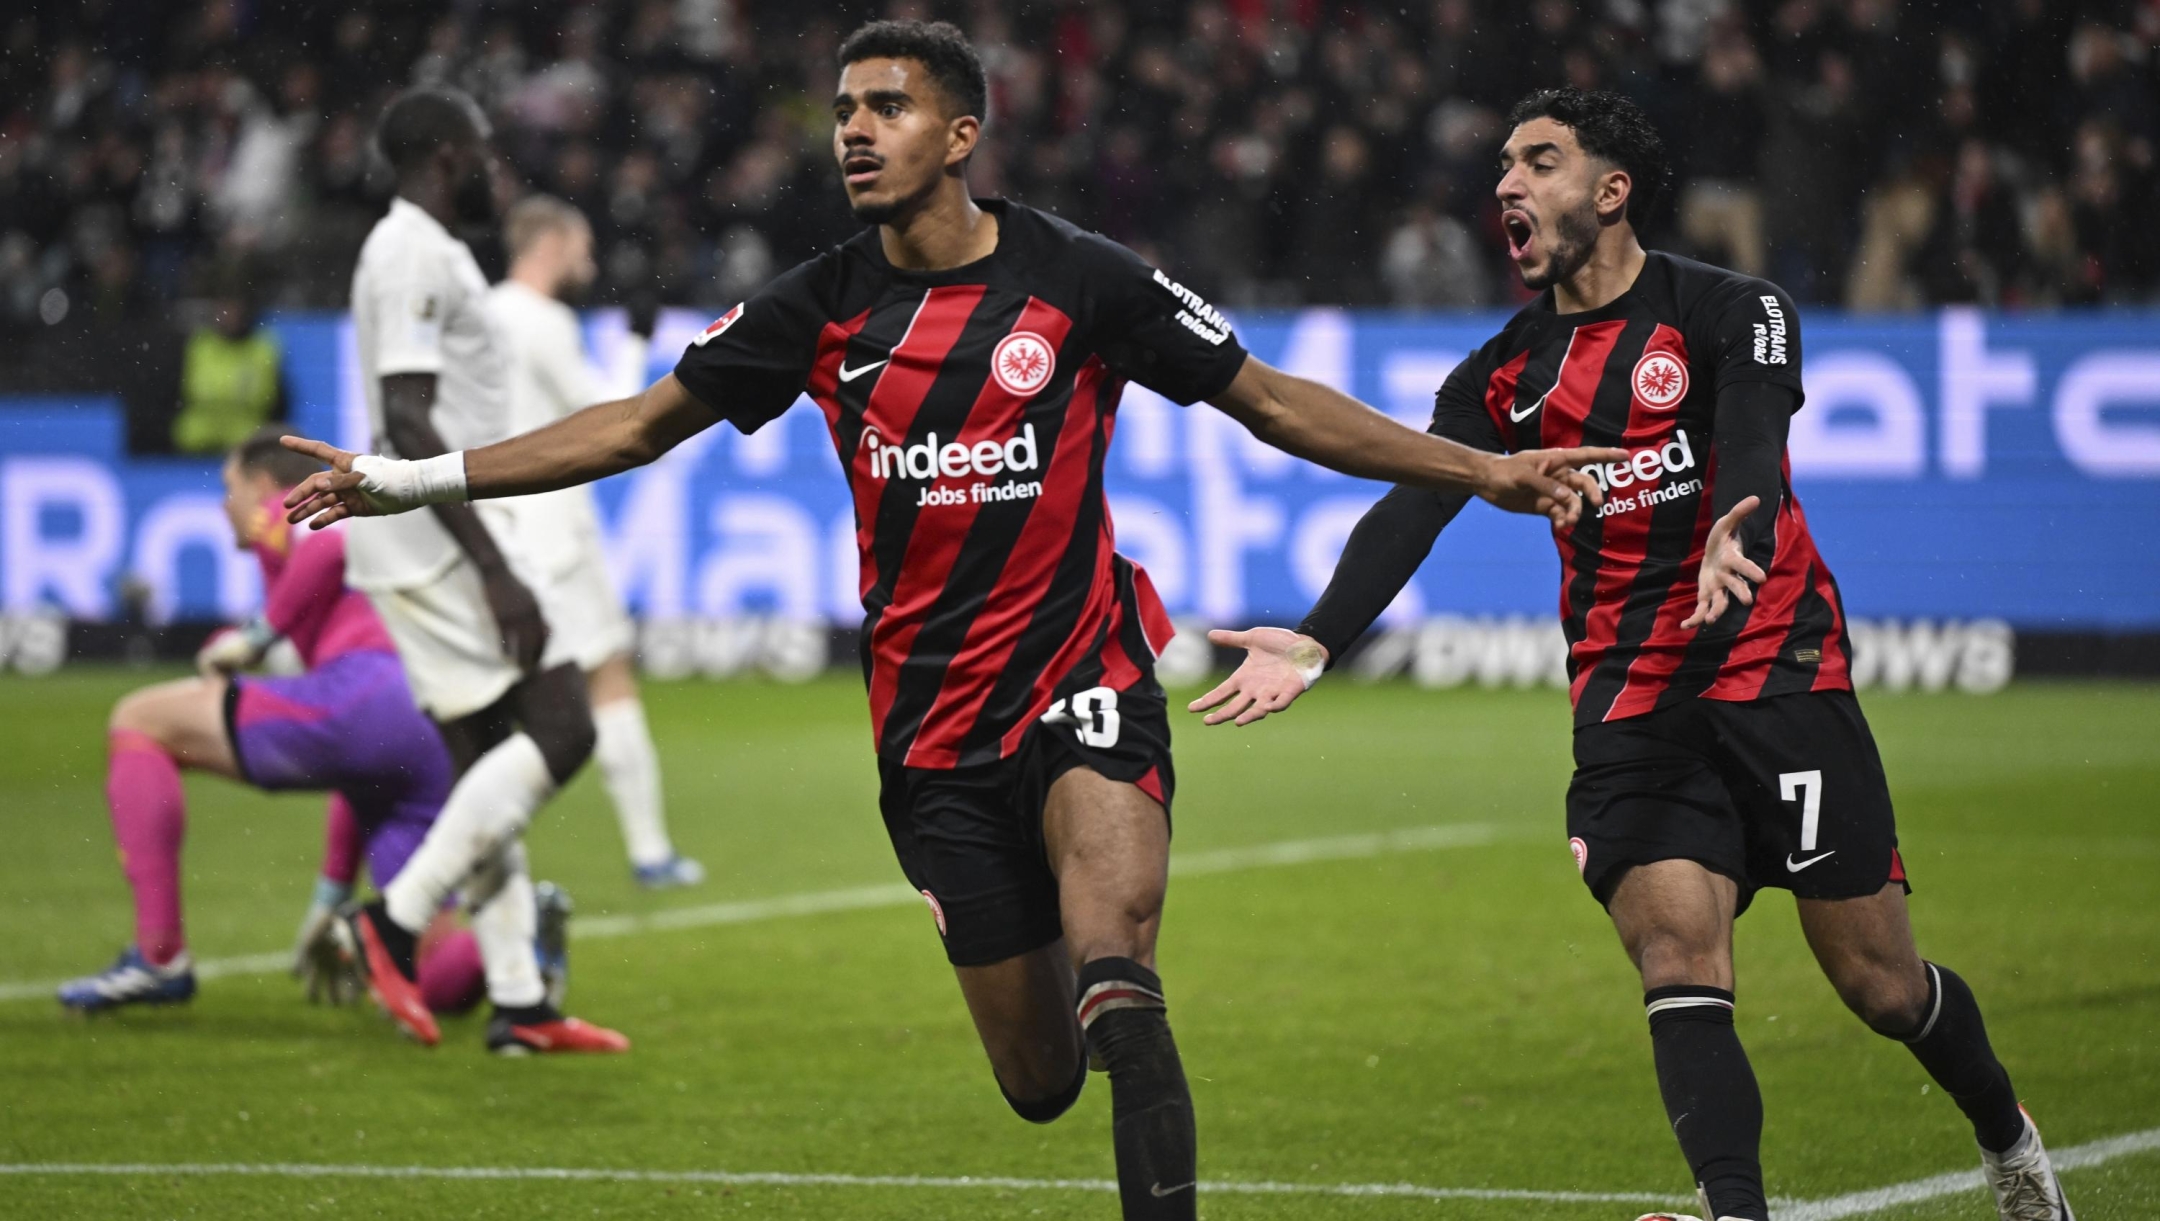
[1867, 153]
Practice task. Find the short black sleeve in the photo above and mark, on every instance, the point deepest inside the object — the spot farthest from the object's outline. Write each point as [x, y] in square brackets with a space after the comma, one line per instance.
[1751, 332]
[750, 365]
[1157, 332]
[1459, 408]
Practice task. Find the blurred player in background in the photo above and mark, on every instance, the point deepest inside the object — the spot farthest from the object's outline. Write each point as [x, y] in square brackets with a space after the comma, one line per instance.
[509, 698]
[1718, 746]
[557, 534]
[968, 355]
[347, 724]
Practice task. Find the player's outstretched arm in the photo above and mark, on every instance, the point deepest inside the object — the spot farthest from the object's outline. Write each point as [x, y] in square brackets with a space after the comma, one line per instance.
[1325, 426]
[602, 440]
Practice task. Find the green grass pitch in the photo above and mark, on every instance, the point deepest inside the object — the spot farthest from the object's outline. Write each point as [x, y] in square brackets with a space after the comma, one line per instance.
[1447, 1011]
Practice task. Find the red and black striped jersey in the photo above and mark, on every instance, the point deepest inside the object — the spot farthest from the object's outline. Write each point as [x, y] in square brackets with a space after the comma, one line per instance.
[1642, 373]
[971, 409]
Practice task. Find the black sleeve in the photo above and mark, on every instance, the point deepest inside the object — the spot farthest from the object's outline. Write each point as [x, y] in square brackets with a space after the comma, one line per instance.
[1157, 332]
[1751, 331]
[753, 361]
[1398, 532]
[1753, 418]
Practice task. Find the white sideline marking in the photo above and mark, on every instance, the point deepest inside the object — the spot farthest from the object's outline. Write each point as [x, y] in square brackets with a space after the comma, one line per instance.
[302, 1170]
[899, 894]
[1832, 1209]
[1860, 1203]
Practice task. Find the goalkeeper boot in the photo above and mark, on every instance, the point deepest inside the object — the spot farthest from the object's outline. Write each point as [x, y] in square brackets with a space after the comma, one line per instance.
[386, 960]
[132, 980]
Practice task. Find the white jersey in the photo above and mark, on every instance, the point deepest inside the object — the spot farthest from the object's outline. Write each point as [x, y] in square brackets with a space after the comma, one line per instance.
[419, 305]
[550, 378]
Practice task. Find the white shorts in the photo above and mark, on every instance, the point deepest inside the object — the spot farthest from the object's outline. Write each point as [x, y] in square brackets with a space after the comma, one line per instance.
[553, 543]
[452, 651]
[584, 613]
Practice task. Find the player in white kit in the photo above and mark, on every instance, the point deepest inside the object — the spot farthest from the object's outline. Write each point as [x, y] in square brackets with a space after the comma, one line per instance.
[476, 646]
[551, 258]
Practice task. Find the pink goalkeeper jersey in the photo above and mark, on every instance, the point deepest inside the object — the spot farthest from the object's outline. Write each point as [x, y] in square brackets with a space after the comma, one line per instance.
[305, 598]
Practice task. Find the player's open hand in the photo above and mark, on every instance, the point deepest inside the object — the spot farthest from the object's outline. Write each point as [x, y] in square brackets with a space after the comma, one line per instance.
[1548, 481]
[1726, 573]
[327, 496]
[1279, 666]
[517, 617]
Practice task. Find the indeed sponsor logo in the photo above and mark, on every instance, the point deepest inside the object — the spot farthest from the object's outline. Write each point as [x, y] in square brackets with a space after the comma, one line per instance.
[927, 459]
[1646, 466]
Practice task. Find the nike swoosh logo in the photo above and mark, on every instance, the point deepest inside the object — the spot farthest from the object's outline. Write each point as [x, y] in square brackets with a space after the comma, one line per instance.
[1794, 867]
[1517, 417]
[1159, 1191]
[848, 375]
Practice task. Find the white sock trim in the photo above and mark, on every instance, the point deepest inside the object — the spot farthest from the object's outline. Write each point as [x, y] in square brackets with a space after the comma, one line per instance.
[1682, 1002]
[1934, 985]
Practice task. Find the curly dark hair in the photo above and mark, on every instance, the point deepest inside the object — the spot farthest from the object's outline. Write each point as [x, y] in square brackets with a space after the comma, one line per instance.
[1612, 129]
[936, 45]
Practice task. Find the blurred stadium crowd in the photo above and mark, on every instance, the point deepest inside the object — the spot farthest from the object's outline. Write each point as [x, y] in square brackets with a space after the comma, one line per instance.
[187, 165]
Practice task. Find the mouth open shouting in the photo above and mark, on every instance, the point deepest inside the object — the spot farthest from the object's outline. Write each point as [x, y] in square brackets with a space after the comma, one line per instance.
[1521, 231]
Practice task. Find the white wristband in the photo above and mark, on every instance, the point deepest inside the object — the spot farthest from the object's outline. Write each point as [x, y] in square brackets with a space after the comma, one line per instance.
[393, 485]
[1311, 674]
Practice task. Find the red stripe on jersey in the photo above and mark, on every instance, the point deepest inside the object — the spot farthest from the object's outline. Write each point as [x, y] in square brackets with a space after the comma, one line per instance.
[1652, 669]
[1029, 568]
[1154, 617]
[912, 369]
[1088, 386]
[1833, 674]
[1747, 665]
[1500, 392]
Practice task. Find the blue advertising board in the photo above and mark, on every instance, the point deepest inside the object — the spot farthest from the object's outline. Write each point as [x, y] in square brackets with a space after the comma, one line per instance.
[1953, 465]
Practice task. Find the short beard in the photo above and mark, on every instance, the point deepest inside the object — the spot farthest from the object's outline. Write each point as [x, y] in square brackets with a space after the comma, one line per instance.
[1574, 236]
[876, 213]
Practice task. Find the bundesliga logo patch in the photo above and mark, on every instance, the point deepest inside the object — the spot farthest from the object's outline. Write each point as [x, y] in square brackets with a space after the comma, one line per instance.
[1660, 380]
[935, 911]
[719, 326]
[1023, 362]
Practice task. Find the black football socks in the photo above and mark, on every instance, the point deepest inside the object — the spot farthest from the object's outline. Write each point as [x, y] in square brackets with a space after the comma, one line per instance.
[1123, 1017]
[1951, 1043]
[1710, 1095]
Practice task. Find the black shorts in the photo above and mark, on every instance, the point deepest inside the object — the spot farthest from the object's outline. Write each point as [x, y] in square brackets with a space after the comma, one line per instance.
[1785, 792]
[971, 838]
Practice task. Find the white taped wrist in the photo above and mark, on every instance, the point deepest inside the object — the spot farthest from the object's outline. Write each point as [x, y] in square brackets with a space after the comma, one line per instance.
[394, 485]
[1311, 674]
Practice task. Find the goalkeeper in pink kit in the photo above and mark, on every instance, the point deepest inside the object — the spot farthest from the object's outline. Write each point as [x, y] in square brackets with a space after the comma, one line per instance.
[347, 724]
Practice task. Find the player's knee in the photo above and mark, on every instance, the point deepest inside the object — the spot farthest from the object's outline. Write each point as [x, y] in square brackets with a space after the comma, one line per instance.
[1892, 1003]
[139, 712]
[1671, 958]
[565, 740]
[1048, 1090]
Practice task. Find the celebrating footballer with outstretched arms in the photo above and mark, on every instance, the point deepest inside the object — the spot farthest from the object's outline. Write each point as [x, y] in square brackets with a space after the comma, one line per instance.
[967, 356]
[1719, 748]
